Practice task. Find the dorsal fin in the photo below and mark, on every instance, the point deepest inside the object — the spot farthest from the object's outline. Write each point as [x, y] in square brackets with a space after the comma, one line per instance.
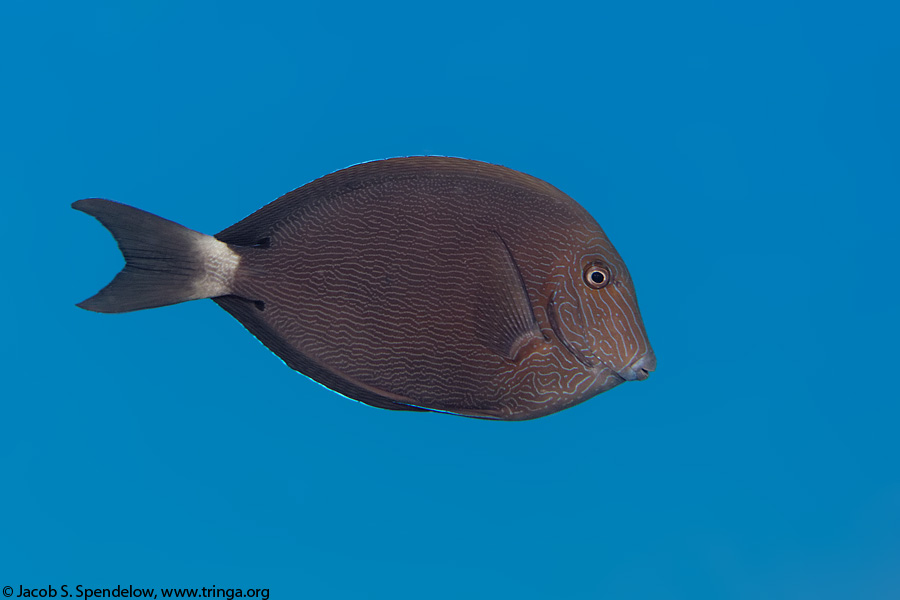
[259, 225]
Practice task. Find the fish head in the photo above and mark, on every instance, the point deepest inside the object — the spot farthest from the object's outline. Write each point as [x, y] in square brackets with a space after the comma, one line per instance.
[593, 310]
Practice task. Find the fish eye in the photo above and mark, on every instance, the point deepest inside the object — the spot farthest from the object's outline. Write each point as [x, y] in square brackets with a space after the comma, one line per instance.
[596, 276]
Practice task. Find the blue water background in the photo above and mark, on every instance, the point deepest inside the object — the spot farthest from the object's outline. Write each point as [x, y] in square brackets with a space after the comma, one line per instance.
[744, 159]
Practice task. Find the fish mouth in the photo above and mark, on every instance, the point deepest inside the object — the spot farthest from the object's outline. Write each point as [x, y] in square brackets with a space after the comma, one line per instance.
[639, 369]
[573, 340]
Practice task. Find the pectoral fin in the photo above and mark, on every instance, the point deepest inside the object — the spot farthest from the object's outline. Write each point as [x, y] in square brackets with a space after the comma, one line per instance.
[504, 316]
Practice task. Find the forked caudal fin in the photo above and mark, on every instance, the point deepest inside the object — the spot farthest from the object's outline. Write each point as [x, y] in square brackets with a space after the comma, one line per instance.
[165, 263]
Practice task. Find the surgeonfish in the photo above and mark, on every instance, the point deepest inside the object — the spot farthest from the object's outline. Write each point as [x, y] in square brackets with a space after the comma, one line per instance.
[420, 283]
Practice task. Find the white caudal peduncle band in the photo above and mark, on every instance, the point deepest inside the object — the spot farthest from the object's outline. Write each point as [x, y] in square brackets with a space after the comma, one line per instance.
[220, 264]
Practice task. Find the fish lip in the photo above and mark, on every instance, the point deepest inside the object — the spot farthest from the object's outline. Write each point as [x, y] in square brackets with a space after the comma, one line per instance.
[640, 368]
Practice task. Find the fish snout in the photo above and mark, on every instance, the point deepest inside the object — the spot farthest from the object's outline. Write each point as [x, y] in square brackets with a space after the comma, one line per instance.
[639, 369]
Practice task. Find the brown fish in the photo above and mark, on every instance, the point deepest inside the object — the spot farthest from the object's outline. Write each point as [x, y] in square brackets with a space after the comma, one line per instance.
[421, 283]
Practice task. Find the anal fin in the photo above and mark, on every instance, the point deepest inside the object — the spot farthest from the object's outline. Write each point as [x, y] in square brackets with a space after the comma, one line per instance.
[251, 315]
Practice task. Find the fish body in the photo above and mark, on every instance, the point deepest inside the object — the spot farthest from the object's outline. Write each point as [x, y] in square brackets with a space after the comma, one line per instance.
[421, 283]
